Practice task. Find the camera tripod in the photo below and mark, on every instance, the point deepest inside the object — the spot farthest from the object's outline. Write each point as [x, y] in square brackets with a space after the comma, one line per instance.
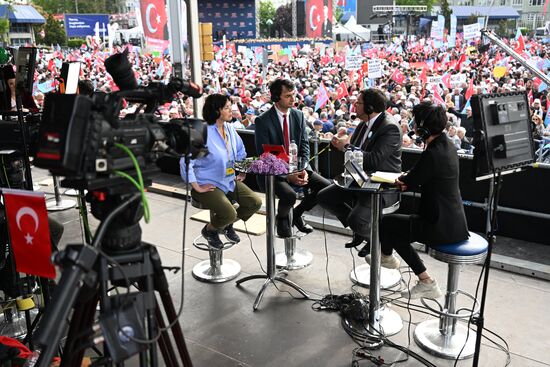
[124, 319]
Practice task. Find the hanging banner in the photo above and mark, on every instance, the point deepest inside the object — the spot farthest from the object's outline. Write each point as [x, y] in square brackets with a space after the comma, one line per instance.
[318, 18]
[440, 28]
[452, 33]
[155, 24]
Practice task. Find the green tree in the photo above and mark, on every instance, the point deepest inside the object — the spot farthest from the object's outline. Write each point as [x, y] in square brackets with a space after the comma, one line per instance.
[446, 11]
[5, 22]
[267, 16]
[338, 13]
[429, 3]
[54, 32]
[283, 19]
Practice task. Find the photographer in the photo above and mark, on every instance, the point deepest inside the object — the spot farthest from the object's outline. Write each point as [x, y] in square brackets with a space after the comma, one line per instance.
[441, 218]
[213, 177]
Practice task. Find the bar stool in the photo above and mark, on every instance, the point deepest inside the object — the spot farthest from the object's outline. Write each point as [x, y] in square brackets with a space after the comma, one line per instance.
[292, 258]
[389, 278]
[444, 337]
[216, 269]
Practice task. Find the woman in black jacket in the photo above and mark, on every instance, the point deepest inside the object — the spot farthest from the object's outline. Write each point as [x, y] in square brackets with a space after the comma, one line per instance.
[441, 218]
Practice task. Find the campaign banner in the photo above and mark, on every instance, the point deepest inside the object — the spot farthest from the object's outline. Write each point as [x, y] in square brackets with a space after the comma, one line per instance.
[349, 8]
[471, 31]
[375, 69]
[435, 79]
[440, 28]
[82, 25]
[233, 19]
[154, 21]
[452, 33]
[318, 18]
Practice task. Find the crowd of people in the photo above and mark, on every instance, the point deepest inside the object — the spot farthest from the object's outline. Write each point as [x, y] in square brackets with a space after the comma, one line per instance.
[412, 72]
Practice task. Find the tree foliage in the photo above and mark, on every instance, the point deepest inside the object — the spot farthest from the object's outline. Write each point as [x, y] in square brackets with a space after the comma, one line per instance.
[267, 12]
[338, 13]
[283, 20]
[54, 32]
[446, 11]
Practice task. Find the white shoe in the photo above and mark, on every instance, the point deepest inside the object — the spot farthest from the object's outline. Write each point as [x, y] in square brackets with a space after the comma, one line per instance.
[386, 261]
[423, 290]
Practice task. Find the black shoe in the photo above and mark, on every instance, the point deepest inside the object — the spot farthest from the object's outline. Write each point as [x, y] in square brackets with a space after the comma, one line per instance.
[213, 238]
[283, 227]
[356, 240]
[364, 251]
[230, 234]
[298, 222]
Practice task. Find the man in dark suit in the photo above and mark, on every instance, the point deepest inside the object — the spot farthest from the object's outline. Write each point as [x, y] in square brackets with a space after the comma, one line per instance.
[379, 139]
[440, 219]
[326, 30]
[281, 125]
[458, 99]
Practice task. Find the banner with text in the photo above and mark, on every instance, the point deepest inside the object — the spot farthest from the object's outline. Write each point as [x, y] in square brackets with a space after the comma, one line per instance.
[82, 25]
[234, 19]
[375, 69]
[471, 31]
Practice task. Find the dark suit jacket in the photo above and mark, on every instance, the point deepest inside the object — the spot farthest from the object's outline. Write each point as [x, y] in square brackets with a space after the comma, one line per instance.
[269, 131]
[381, 149]
[436, 175]
[326, 30]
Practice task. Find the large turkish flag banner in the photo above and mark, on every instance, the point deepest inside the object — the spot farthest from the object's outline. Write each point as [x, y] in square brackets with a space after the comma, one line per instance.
[29, 232]
[314, 18]
[154, 20]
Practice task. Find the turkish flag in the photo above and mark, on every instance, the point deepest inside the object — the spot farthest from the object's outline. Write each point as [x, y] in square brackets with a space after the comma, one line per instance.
[424, 75]
[446, 80]
[460, 61]
[29, 232]
[520, 45]
[342, 90]
[314, 18]
[153, 17]
[398, 76]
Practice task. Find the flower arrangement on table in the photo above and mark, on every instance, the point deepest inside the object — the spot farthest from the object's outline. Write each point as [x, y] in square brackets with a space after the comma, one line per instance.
[266, 164]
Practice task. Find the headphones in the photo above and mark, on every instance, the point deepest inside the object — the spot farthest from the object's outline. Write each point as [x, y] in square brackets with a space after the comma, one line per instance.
[424, 132]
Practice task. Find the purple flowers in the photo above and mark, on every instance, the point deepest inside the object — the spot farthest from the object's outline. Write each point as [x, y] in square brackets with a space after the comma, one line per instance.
[268, 164]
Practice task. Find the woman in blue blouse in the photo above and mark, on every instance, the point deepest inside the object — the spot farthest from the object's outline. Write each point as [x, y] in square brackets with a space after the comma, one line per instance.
[213, 177]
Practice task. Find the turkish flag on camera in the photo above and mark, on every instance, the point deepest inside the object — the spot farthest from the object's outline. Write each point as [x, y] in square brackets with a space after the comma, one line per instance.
[29, 232]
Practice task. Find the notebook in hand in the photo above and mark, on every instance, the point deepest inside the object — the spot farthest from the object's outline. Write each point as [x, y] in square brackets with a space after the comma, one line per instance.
[385, 177]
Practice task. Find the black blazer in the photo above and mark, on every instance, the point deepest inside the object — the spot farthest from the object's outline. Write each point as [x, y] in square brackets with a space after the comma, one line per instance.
[268, 131]
[382, 148]
[436, 176]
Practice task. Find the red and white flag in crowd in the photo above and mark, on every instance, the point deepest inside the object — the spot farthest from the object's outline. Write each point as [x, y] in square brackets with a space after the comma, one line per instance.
[29, 232]
[460, 61]
[424, 75]
[446, 80]
[470, 90]
[342, 90]
[520, 42]
[398, 76]
[437, 97]
[322, 97]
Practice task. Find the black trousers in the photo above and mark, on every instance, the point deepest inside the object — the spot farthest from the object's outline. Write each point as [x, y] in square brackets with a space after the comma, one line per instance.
[397, 231]
[352, 208]
[287, 195]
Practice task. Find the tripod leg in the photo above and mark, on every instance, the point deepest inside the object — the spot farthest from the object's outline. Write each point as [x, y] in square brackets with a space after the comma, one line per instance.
[161, 286]
[164, 341]
[83, 317]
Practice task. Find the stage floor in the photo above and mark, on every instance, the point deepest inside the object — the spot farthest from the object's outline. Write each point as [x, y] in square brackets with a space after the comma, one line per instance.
[221, 328]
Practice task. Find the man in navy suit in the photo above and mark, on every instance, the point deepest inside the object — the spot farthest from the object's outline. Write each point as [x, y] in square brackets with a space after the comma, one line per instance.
[280, 125]
[379, 138]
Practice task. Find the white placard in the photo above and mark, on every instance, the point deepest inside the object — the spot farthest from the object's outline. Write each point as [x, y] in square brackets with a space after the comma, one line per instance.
[375, 69]
[457, 80]
[471, 31]
[435, 79]
[353, 62]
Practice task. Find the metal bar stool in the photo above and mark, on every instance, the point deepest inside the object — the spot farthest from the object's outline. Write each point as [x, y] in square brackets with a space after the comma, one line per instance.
[444, 337]
[389, 278]
[216, 269]
[292, 258]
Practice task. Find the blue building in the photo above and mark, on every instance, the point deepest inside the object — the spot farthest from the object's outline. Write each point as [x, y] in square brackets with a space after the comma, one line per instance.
[21, 18]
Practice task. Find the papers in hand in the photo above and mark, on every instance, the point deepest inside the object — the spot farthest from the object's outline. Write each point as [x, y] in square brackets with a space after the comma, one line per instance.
[385, 177]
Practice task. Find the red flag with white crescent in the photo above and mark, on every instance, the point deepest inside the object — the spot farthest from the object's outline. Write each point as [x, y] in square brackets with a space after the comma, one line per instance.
[342, 90]
[314, 18]
[29, 232]
[153, 16]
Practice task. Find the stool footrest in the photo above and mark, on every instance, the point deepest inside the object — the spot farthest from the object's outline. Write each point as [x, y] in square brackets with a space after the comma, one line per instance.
[443, 312]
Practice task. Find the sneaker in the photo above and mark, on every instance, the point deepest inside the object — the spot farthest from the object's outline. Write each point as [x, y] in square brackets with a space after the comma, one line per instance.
[230, 234]
[388, 262]
[213, 238]
[423, 290]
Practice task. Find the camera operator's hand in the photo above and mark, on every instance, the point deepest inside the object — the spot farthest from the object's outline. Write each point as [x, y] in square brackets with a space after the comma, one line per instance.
[241, 176]
[339, 142]
[203, 188]
[298, 178]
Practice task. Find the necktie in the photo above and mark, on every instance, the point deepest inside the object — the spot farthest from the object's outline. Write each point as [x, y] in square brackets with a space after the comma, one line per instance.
[285, 132]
